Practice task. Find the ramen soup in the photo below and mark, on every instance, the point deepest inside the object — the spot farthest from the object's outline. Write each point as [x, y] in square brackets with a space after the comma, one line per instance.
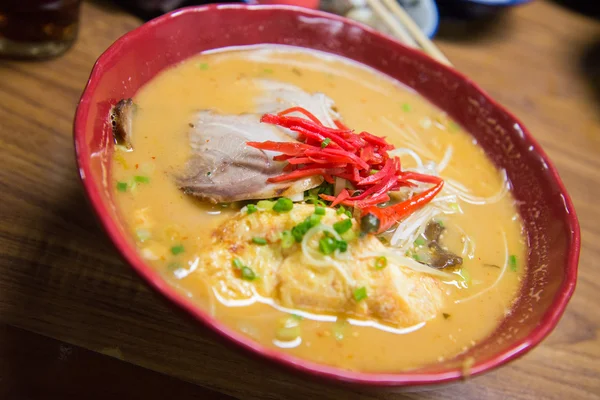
[318, 207]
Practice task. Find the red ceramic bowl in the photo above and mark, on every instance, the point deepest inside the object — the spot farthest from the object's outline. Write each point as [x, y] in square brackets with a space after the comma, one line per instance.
[548, 214]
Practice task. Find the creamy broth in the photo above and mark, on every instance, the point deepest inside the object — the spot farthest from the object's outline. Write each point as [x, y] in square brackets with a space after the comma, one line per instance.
[366, 100]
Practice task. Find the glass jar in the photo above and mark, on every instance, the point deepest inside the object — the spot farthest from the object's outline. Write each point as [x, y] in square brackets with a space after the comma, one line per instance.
[37, 29]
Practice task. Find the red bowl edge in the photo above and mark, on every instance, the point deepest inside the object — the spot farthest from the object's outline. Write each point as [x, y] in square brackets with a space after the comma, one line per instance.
[407, 378]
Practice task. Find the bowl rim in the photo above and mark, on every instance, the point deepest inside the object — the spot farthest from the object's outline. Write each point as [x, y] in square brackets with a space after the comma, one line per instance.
[277, 357]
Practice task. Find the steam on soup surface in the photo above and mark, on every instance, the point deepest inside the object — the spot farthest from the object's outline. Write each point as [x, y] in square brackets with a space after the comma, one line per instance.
[227, 195]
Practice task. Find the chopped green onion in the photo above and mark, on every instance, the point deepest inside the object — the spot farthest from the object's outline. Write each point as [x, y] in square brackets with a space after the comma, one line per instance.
[314, 220]
[339, 328]
[300, 230]
[287, 239]
[283, 204]
[342, 226]
[348, 213]
[208, 173]
[203, 66]
[289, 328]
[259, 241]
[466, 276]
[173, 266]
[381, 262]
[342, 245]
[121, 186]
[348, 235]
[325, 143]
[373, 171]
[326, 188]
[319, 210]
[416, 257]
[512, 262]
[177, 249]
[446, 316]
[340, 210]
[288, 333]
[420, 241]
[440, 223]
[251, 208]
[142, 234]
[141, 179]
[327, 245]
[454, 206]
[360, 293]
[237, 263]
[406, 107]
[248, 274]
[265, 205]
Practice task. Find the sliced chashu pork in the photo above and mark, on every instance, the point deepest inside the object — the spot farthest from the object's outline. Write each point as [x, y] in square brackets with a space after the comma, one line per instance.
[222, 168]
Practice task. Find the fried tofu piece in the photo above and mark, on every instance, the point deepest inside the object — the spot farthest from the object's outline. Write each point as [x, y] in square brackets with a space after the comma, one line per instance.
[395, 295]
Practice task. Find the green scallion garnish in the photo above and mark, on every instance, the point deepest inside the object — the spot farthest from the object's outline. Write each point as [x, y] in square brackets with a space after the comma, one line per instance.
[177, 249]
[319, 210]
[348, 235]
[173, 266]
[342, 226]
[342, 245]
[325, 143]
[381, 262]
[314, 220]
[259, 241]
[265, 205]
[251, 208]
[142, 234]
[121, 186]
[237, 263]
[283, 204]
[406, 107]
[420, 241]
[512, 262]
[203, 66]
[327, 245]
[466, 276]
[360, 293]
[141, 179]
[248, 274]
[300, 230]
[340, 210]
[287, 239]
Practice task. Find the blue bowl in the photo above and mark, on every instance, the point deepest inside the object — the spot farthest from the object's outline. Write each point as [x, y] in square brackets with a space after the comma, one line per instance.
[425, 14]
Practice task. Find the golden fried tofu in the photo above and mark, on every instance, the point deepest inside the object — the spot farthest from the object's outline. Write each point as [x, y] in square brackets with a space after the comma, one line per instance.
[393, 295]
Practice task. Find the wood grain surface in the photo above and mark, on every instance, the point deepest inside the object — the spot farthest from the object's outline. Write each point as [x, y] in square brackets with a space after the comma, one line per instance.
[60, 278]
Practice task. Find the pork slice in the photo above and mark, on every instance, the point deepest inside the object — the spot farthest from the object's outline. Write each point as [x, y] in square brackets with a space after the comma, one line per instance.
[222, 168]
[121, 116]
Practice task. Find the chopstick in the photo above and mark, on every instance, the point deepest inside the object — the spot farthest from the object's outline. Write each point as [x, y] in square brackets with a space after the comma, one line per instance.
[405, 29]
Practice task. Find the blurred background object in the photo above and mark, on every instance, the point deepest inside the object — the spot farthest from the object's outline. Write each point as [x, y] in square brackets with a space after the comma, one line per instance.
[423, 12]
[37, 28]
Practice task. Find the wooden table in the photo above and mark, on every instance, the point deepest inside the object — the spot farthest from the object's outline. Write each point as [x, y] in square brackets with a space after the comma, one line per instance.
[61, 279]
